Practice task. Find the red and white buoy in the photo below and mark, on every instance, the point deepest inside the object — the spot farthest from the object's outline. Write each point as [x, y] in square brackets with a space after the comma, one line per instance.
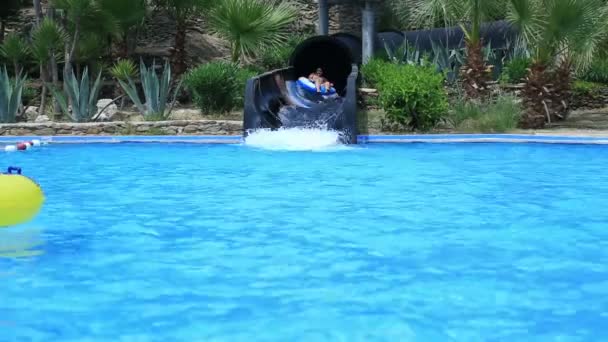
[22, 146]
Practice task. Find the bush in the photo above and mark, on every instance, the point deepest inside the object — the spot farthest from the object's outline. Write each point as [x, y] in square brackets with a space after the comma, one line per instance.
[516, 70]
[277, 58]
[217, 86]
[372, 70]
[584, 88]
[411, 96]
[598, 71]
[497, 116]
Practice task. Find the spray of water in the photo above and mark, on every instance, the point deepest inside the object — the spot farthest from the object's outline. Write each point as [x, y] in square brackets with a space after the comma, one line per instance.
[295, 139]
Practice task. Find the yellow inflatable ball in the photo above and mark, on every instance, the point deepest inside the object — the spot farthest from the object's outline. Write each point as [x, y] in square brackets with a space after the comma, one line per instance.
[20, 199]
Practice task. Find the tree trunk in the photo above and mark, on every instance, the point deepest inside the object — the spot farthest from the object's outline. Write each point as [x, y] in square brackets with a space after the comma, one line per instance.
[536, 98]
[17, 68]
[123, 47]
[43, 91]
[38, 11]
[71, 51]
[179, 53]
[562, 91]
[55, 78]
[2, 29]
[53, 65]
[235, 53]
[475, 73]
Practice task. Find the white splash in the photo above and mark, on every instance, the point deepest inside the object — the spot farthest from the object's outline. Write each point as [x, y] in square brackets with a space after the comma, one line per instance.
[295, 139]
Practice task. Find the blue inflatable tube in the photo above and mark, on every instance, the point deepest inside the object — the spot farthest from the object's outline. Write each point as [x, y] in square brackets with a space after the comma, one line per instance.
[306, 84]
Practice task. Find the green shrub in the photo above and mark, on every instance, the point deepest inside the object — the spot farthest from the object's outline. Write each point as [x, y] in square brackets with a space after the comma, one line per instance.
[372, 70]
[496, 116]
[584, 88]
[277, 58]
[217, 86]
[516, 70]
[411, 96]
[597, 71]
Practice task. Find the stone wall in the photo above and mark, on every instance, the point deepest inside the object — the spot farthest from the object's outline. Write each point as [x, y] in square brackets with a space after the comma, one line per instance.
[186, 127]
[342, 18]
[593, 100]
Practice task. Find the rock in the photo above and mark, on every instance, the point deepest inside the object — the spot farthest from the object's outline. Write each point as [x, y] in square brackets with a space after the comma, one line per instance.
[191, 129]
[169, 130]
[128, 117]
[45, 131]
[103, 117]
[107, 107]
[186, 114]
[42, 118]
[31, 112]
[368, 90]
[142, 128]
[94, 130]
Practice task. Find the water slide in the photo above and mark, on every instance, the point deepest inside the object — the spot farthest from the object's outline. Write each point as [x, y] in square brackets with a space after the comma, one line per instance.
[274, 100]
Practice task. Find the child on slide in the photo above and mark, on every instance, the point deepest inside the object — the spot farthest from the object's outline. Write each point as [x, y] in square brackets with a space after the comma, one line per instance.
[320, 81]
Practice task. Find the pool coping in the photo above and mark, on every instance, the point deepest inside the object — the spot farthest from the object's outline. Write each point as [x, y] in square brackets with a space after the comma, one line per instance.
[361, 139]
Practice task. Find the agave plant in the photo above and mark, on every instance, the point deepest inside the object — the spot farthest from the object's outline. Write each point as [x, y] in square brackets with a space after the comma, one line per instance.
[10, 96]
[448, 61]
[156, 92]
[561, 35]
[252, 25]
[15, 49]
[82, 95]
[405, 53]
[123, 70]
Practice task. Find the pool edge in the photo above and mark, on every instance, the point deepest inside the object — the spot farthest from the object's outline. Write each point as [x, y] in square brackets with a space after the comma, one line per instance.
[361, 139]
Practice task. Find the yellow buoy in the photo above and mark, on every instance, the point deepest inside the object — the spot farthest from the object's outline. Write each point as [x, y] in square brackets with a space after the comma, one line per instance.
[20, 199]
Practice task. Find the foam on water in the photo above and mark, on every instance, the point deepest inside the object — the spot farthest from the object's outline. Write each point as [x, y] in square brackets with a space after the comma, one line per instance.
[295, 139]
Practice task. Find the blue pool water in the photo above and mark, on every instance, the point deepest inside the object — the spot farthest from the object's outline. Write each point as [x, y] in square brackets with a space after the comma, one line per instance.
[420, 242]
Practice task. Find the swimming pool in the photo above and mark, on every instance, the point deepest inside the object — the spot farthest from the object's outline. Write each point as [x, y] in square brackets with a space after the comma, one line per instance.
[416, 242]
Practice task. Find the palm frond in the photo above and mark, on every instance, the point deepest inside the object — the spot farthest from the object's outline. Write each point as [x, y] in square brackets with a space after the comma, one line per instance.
[252, 25]
[123, 70]
[47, 39]
[14, 48]
[127, 14]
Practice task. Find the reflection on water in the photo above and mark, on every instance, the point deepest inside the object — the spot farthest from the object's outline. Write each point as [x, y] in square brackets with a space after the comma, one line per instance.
[20, 242]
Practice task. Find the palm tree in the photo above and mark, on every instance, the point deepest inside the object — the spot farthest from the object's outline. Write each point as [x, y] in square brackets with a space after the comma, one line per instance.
[251, 25]
[15, 49]
[182, 11]
[129, 15]
[82, 15]
[561, 35]
[470, 15]
[48, 39]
